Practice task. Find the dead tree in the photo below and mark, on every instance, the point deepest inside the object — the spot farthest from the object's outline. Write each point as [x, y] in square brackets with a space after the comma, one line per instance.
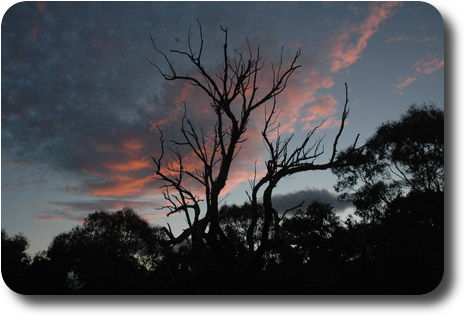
[285, 162]
[233, 98]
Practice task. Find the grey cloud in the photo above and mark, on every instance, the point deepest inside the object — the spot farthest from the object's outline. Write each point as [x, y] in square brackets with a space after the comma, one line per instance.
[79, 84]
[286, 201]
[79, 210]
[105, 205]
[56, 215]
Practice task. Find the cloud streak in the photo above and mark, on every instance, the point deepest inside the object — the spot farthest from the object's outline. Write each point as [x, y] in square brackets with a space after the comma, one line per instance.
[422, 67]
[398, 88]
[352, 39]
[400, 38]
[428, 65]
[79, 210]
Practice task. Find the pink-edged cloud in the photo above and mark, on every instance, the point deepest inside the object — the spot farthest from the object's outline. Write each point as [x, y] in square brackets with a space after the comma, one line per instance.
[428, 39]
[428, 65]
[400, 38]
[404, 83]
[122, 175]
[423, 66]
[315, 80]
[118, 185]
[352, 39]
[301, 91]
[323, 109]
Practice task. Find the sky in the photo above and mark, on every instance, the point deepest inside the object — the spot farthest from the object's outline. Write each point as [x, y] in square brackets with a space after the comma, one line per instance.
[81, 102]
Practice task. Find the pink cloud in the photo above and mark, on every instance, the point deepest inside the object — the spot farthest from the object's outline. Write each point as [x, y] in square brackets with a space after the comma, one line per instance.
[316, 80]
[132, 157]
[345, 51]
[300, 92]
[34, 31]
[43, 218]
[119, 185]
[135, 164]
[324, 108]
[290, 105]
[400, 38]
[428, 39]
[42, 5]
[132, 174]
[149, 216]
[428, 65]
[402, 85]
[422, 66]
[125, 170]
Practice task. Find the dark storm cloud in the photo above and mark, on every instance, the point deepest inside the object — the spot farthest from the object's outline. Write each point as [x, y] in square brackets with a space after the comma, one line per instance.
[71, 86]
[287, 201]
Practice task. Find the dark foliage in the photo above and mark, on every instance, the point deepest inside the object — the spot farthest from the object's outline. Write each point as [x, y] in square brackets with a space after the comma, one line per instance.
[14, 260]
[401, 157]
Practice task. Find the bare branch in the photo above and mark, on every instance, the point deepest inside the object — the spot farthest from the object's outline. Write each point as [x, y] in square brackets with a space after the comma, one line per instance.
[291, 209]
[344, 115]
[284, 162]
[166, 76]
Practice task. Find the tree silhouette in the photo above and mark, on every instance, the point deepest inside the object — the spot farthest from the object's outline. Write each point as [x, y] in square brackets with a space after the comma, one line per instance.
[311, 232]
[235, 221]
[397, 187]
[111, 253]
[233, 98]
[401, 157]
[15, 261]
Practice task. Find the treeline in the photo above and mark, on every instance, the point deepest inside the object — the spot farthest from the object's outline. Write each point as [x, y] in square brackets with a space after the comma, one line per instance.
[392, 244]
[120, 253]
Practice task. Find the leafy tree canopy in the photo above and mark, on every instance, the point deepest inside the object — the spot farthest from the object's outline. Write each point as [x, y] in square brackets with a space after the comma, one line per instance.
[109, 252]
[402, 157]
